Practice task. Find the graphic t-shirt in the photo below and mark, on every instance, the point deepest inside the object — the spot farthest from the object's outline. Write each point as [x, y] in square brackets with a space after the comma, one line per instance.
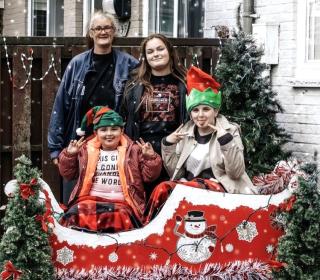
[163, 105]
[198, 162]
[159, 113]
[99, 89]
[106, 180]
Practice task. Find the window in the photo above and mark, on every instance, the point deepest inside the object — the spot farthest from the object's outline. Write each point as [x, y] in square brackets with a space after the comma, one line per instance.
[45, 17]
[175, 18]
[313, 30]
[56, 16]
[39, 17]
[89, 7]
[308, 42]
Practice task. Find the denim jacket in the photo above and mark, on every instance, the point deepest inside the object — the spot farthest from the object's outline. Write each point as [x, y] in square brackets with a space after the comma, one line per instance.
[65, 116]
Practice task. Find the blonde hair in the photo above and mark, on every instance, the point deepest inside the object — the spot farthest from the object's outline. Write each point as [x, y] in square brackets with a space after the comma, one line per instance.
[94, 16]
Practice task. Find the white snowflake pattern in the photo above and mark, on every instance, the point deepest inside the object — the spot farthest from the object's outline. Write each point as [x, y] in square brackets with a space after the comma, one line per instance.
[247, 231]
[65, 255]
[280, 219]
[153, 256]
[269, 248]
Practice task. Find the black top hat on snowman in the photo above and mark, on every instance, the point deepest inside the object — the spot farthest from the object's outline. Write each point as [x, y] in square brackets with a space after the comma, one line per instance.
[194, 216]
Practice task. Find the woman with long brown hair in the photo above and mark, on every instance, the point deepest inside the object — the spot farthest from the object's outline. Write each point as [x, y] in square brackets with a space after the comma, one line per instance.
[154, 100]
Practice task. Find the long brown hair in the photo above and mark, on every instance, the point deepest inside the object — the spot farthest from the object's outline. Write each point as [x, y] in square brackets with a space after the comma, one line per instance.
[142, 74]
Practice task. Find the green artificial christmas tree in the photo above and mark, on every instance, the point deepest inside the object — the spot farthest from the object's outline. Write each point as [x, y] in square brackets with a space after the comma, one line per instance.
[299, 248]
[248, 99]
[24, 247]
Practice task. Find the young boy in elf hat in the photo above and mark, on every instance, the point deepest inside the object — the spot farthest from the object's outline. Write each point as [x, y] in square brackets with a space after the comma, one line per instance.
[207, 147]
[109, 195]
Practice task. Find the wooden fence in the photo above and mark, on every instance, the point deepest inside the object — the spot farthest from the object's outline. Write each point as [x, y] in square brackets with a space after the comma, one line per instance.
[26, 101]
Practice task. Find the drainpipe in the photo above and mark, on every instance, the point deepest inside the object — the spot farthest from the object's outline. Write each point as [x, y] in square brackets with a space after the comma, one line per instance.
[248, 15]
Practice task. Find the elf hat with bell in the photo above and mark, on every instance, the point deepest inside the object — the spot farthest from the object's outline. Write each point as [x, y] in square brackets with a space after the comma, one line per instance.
[99, 116]
[202, 89]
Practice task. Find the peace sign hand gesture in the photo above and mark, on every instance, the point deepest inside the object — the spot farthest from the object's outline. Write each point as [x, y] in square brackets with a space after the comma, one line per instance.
[75, 146]
[146, 148]
[176, 136]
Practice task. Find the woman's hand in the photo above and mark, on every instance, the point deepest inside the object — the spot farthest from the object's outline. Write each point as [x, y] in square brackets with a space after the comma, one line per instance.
[146, 148]
[75, 146]
[176, 136]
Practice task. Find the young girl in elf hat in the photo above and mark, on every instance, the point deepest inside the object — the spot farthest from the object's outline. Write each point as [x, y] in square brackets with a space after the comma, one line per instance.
[207, 147]
[109, 195]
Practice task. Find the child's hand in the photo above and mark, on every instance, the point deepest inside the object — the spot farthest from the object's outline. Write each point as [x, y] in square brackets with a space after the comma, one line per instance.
[75, 146]
[146, 148]
[176, 136]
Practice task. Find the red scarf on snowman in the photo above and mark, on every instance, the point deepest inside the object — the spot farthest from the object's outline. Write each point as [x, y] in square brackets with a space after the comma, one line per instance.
[208, 232]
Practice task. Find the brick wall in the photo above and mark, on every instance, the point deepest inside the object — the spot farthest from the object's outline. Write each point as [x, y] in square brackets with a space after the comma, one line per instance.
[220, 12]
[1, 21]
[136, 18]
[302, 105]
[15, 18]
[73, 17]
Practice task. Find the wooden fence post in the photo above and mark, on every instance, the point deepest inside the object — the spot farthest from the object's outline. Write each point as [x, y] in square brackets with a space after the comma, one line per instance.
[50, 86]
[21, 105]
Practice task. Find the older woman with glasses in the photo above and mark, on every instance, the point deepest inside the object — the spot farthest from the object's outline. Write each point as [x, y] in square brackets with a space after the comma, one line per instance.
[93, 78]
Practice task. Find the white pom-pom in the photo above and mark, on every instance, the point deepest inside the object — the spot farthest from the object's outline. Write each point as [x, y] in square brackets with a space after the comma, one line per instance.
[10, 187]
[80, 132]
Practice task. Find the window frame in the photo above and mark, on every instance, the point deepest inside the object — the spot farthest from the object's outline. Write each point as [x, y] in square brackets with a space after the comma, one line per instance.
[30, 24]
[307, 71]
[50, 19]
[146, 11]
[88, 9]
[157, 23]
[53, 19]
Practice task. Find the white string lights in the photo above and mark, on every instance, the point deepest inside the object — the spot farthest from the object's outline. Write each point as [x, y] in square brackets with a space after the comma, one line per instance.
[28, 68]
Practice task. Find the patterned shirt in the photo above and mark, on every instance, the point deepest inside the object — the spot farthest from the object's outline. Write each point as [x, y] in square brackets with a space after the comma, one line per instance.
[159, 113]
[106, 180]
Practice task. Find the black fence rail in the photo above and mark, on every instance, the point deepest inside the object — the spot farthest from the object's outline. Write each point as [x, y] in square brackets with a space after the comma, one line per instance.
[31, 68]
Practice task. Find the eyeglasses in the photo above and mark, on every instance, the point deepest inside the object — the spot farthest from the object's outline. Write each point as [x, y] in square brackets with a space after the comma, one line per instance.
[105, 28]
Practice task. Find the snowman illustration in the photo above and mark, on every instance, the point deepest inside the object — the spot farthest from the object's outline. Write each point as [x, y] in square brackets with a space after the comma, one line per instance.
[198, 241]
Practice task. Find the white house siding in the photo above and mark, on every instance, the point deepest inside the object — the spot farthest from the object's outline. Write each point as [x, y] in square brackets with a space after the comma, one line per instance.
[302, 105]
[220, 12]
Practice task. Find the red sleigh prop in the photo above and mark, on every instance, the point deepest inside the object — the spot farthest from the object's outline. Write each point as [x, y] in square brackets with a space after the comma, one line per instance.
[233, 235]
[244, 231]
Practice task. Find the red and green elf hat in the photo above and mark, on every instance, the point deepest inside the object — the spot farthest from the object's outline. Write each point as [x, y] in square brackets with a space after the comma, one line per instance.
[202, 89]
[99, 116]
